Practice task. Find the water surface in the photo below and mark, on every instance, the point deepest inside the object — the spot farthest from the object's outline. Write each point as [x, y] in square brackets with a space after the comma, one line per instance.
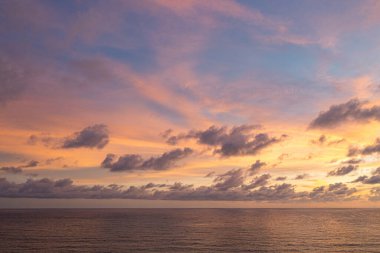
[190, 230]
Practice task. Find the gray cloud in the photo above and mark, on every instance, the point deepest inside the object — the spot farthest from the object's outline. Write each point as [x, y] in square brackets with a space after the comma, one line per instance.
[280, 178]
[342, 170]
[45, 139]
[95, 136]
[133, 162]
[333, 192]
[227, 188]
[301, 176]
[323, 140]
[368, 180]
[31, 163]
[210, 174]
[19, 169]
[230, 179]
[350, 111]
[353, 161]
[11, 169]
[352, 151]
[236, 141]
[257, 182]
[374, 179]
[374, 148]
[367, 150]
[255, 168]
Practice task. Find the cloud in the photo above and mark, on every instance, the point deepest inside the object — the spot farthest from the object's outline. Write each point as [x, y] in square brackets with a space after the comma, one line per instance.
[301, 176]
[374, 179]
[321, 140]
[342, 170]
[375, 148]
[255, 167]
[353, 161]
[210, 174]
[280, 178]
[333, 192]
[32, 163]
[19, 169]
[230, 179]
[95, 136]
[133, 162]
[324, 140]
[226, 188]
[257, 182]
[350, 111]
[236, 141]
[63, 188]
[11, 170]
[367, 150]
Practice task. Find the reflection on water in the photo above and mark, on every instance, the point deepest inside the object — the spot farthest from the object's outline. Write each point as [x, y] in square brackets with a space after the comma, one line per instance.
[190, 230]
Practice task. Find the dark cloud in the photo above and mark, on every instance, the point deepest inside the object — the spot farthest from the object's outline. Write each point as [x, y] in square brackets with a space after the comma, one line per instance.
[166, 133]
[301, 176]
[280, 178]
[360, 179]
[236, 141]
[95, 136]
[32, 163]
[257, 182]
[45, 139]
[352, 151]
[227, 188]
[210, 174]
[353, 161]
[342, 170]
[282, 192]
[11, 170]
[133, 162]
[255, 168]
[374, 179]
[19, 169]
[333, 192]
[374, 148]
[367, 150]
[323, 140]
[53, 160]
[335, 142]
[64, 188]
[230, 179]
[350, 111]
[368, 180]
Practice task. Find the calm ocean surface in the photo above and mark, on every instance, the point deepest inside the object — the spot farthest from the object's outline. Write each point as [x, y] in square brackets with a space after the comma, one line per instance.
[190, 230]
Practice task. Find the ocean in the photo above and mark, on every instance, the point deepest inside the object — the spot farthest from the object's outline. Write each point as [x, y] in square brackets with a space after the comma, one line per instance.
[190, 230]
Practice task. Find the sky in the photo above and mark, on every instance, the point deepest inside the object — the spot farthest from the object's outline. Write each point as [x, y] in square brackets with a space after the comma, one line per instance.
[164, 103]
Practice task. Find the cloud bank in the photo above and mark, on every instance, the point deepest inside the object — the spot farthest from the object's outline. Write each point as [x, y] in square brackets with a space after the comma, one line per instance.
[228, 186]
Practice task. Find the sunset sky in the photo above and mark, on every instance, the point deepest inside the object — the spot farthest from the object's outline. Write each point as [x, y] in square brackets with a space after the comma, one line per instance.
[191, 103]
